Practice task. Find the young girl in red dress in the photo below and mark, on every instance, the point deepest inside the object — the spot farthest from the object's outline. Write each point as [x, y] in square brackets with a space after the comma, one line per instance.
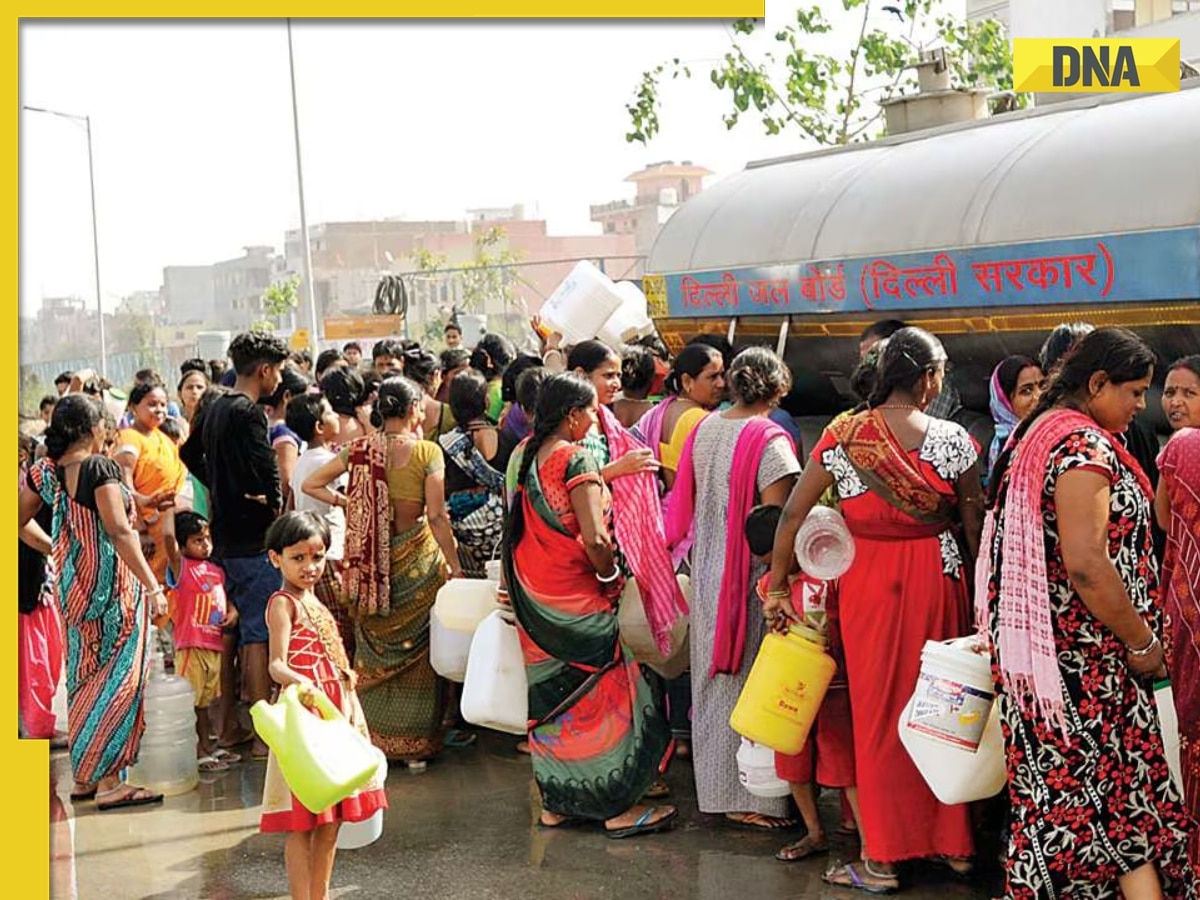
[306, 649]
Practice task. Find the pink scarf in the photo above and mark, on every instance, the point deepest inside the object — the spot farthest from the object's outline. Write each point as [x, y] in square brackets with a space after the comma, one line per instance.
[729, 645]
[638, 522]
[1028, 658]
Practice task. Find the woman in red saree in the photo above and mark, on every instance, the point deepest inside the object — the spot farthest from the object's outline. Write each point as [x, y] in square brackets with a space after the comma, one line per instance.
[909, 489]
[1178, 508]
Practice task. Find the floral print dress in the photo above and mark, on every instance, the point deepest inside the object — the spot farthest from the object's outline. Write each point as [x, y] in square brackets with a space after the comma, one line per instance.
[1098, 803]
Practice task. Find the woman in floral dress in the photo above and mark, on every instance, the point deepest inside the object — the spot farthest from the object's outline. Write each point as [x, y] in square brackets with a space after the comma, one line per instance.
[1074, 627]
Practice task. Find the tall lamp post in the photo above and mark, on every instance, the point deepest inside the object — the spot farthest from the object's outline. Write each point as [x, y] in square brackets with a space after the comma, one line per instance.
[87, 124]
[306, 244]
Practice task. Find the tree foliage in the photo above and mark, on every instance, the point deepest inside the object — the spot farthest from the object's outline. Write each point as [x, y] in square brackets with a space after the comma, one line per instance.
[489, 279]
[833, 99]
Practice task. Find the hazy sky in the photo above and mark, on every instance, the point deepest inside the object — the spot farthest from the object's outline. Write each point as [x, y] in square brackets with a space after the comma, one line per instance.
[193, 142]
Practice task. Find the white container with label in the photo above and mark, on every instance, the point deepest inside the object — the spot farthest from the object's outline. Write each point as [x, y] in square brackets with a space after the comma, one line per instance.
[581, 305]
[756, 771]
[951, 726]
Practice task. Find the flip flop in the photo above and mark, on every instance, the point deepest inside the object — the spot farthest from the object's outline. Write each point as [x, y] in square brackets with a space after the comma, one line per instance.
[657, 791]
[768, 823]
[856, 881]
[958, 871]
[643, 825]
[133, 796]
[226, 756]
[211, 764]
[801, 849]
[567, 822]
[456, 737]
[80, 796]
[846, 831]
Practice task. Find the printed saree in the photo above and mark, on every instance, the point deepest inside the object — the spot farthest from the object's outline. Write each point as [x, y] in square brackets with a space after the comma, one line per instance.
[596, 734]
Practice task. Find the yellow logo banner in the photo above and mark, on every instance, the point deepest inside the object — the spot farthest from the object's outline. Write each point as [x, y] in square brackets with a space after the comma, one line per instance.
[1096, 65]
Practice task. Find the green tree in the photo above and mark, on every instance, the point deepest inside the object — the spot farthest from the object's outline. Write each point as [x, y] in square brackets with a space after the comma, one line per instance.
[280, 299]
[828, 97]
[489, 279]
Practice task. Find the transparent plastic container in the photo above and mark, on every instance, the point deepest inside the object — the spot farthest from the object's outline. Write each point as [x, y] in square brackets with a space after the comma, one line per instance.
[824, 547]
[166, 760]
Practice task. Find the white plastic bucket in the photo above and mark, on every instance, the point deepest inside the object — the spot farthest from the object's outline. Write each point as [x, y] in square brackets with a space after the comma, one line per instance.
[951, 726]
[460, 606]
[496, 692]
[756, 771]
[356, 835]
[581, 304]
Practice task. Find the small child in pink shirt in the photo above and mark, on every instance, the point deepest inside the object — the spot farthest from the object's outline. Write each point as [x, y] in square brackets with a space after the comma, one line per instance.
[201, 612]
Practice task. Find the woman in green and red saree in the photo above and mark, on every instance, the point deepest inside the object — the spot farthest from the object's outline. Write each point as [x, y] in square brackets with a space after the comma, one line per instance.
[596, 736]
[909, 489]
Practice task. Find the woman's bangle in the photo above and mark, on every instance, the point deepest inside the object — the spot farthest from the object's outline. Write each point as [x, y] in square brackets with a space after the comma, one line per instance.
[782, 594]
[609, 579]
[1144, 651]
[158, 589]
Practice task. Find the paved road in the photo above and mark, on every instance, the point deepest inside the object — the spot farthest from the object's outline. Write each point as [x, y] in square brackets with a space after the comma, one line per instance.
[465, 828]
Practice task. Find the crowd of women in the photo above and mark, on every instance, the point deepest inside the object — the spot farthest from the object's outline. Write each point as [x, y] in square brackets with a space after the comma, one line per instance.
[590, 472]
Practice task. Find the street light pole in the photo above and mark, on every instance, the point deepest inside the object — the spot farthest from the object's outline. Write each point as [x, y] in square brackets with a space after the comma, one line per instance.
[306, 243]
[87, 124]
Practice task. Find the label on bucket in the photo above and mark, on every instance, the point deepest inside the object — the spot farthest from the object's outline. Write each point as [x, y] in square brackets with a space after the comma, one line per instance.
[949, 711]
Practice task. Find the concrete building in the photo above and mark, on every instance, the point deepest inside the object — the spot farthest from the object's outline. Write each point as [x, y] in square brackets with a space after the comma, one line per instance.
[349, 258]
[660, 188]
[64, 326]
[187, 294]
[1097, 18]
[238, 286]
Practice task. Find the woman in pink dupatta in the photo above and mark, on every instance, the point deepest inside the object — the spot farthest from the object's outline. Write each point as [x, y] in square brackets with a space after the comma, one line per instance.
[733, 461]
[1178, 507]
[1074, 620]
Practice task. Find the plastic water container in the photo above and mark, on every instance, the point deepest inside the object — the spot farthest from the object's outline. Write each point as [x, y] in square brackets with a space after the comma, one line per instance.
[356, 835]
[461, 604]
[756, 771]
[492, 568]
[496, 692]
[630, 320]
[824, 547]
[951, 726]
[322, 757]
[784, 690]
[1168, 723]
[166, 760]
[639, 639]
[581, 304]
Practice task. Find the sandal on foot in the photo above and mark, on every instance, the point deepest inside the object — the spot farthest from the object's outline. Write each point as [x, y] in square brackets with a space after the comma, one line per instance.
[645, 824]
[126, 795]
[211, 764]
[847, 876]
[845, 830]
[657, 791]
[456, 737]
[960, 866]
[759, 822]
[802, 849]
[82, 792]
[564, 822]
[226, 756]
